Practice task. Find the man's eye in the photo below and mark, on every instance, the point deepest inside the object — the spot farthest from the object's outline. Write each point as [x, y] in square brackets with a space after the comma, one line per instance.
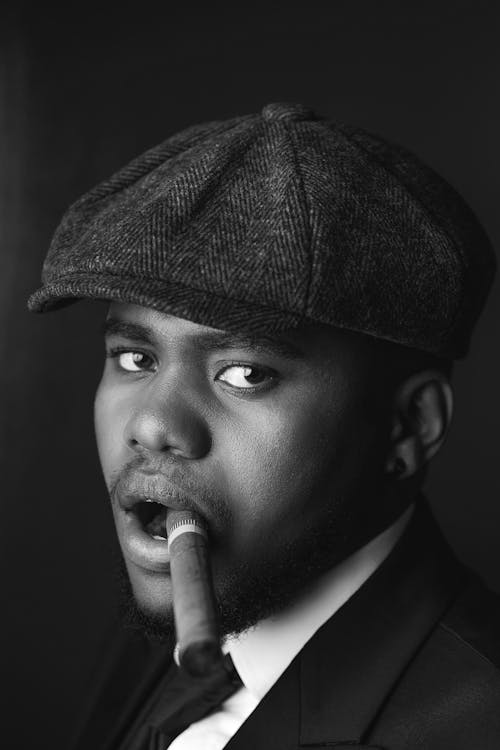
[245, 377]
[131, 361]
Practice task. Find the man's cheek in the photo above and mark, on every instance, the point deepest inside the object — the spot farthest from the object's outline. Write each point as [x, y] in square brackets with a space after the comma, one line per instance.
[102, 430]
[109, 437]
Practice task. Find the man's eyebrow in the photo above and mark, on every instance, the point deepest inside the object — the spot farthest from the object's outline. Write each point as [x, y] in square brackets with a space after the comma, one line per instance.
[210, 341]
[132, 331]
[215, 340]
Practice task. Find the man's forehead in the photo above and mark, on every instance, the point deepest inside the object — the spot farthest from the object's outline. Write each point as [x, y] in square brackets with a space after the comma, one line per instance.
[147, 324]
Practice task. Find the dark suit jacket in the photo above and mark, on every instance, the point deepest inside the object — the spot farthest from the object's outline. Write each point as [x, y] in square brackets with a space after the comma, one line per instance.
[410, 661]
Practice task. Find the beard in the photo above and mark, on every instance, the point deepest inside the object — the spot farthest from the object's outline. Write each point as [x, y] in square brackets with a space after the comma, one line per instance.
[253, 591]
[156, 628]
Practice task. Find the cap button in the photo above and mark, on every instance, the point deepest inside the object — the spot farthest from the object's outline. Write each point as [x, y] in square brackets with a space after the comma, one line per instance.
[288, 112]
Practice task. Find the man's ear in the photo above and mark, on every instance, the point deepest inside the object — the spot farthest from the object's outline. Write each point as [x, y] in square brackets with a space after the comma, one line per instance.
[422, 411]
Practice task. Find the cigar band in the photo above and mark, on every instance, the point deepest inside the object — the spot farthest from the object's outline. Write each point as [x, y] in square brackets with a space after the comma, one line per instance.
[185, 527]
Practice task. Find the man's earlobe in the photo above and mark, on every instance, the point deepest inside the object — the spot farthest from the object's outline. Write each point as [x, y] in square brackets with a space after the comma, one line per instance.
[423, 407]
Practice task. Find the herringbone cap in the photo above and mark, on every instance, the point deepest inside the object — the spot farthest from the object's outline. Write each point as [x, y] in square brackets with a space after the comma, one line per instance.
[266, 221]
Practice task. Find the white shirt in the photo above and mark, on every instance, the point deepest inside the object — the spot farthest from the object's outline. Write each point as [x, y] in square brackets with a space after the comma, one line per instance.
[262, 653]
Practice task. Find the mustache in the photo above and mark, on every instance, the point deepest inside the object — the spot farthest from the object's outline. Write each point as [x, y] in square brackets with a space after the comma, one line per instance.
[165, 476]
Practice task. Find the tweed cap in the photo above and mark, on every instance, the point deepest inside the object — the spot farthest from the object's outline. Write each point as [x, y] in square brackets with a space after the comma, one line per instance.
[263, 222]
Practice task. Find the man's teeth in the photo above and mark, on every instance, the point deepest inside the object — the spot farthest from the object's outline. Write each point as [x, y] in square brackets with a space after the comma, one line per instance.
[157, 536]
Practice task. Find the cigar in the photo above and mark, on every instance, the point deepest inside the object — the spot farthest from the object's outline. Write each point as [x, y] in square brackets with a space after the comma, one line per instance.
[195, 611]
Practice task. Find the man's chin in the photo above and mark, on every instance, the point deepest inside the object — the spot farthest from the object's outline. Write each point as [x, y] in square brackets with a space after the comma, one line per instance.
[146, 606]
[140, 612]
[156, 627]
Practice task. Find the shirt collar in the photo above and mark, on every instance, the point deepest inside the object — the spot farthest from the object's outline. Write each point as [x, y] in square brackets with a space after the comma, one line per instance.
[262, 653]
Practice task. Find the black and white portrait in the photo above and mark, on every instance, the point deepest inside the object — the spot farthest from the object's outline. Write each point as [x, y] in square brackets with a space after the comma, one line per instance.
[250, 385]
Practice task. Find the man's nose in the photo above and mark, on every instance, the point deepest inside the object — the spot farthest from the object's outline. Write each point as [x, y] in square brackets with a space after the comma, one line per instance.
[167, 420]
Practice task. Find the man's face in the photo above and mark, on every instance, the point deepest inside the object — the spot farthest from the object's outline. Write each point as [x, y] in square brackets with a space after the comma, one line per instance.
[267, 439]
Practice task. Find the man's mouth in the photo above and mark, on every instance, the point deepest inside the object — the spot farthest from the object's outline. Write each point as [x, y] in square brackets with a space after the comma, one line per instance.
[150, 507]
[141, 504]
[153, 517]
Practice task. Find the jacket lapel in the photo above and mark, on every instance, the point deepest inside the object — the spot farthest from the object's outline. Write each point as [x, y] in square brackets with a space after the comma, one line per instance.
[334, 689]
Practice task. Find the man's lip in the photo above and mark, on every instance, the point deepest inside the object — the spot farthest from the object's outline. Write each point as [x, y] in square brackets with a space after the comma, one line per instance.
[129, 500]
[148, 554]
[138, 489]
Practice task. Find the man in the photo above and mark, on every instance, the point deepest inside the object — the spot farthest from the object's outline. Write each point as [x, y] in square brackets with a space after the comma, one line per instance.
[286, 298]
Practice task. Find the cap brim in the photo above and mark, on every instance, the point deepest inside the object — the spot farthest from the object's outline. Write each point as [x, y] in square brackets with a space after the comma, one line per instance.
[205, 308]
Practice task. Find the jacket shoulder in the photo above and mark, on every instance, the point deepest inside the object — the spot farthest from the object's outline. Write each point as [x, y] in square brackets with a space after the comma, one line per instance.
[449, 695]
[474, 619]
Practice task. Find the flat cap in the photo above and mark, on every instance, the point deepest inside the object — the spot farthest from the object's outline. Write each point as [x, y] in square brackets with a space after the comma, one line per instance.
[263, 222]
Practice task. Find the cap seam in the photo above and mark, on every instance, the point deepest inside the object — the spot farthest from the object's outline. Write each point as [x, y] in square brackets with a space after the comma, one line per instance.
[426, 211]
[98, 199]
[309, 226]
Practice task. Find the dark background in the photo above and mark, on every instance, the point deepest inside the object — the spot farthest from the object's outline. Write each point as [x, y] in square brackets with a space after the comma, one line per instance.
[83, 91]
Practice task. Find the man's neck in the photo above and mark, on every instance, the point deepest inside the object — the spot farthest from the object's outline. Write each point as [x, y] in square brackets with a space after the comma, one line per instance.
[262, 653]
